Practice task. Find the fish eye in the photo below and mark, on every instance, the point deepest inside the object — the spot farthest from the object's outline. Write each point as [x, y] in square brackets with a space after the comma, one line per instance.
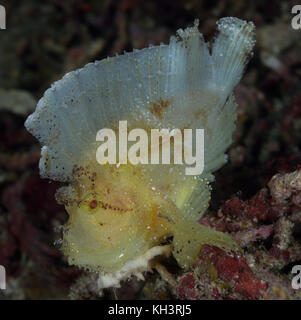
[91, 202]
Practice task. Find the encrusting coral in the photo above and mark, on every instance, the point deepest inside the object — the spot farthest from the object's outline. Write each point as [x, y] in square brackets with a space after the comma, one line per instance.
[120, 214]
[266, 227]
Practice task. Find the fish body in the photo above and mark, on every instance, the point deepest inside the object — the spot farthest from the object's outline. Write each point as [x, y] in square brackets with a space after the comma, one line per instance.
[119, 212]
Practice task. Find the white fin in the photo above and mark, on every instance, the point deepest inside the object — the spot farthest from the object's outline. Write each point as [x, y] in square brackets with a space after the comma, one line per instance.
[231, 51]
[179, 85]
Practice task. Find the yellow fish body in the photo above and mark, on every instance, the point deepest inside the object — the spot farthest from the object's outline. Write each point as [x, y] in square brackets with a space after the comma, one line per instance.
[118, 213]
